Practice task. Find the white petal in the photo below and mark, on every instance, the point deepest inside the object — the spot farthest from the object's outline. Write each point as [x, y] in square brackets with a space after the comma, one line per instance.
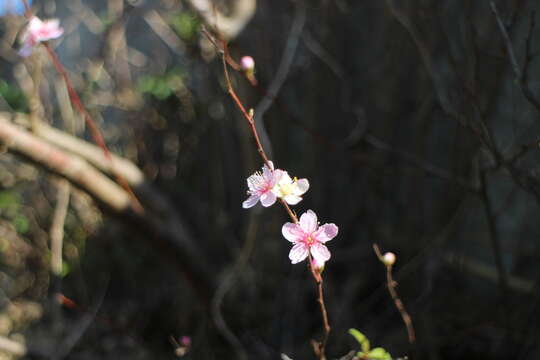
[251, 201]
[320, 253]
[292, 199]
[308, 221]
[285, 178]
[302, 186]
[268, 199]
[325, 233]
[298, 253]
[293, 232]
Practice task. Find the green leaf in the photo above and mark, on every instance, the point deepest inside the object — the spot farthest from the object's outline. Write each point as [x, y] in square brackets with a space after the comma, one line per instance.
[21, 224]
[379, 354]
[361, 338]
[66, 269]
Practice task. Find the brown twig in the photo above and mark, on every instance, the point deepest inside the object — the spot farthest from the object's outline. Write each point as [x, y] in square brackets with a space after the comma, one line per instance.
[319, 347]
[391, 285]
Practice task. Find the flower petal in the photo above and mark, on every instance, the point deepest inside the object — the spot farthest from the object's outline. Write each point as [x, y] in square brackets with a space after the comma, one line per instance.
[320, 253]
[292, 199]
[302, 186]
[276, 177]
[308, 221]
[268, 199]
[298, 253]
[293, 232]
[285, 178]
[325, 233]
[250, 202]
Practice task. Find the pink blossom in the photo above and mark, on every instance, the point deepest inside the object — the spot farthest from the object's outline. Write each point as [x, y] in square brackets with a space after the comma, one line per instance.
[261, 187]
[308, 237]
[38, 31]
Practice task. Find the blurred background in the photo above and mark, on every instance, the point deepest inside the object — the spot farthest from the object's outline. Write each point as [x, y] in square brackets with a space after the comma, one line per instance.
[415, 122]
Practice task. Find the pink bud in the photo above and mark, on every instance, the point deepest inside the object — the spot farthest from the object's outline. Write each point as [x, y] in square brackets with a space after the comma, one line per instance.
[389, 259]
[247, 62]
[317, 265]
[185, 341]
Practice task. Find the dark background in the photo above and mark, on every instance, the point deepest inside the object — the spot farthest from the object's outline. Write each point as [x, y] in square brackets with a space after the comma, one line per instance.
[409, 120]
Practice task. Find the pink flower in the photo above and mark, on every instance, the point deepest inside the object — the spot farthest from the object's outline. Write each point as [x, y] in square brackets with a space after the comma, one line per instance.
[261, 185]
[38, 31]
[307, 236]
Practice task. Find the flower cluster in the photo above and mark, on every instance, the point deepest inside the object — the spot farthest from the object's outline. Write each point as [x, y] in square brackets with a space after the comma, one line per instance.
[306, 235]
[270, 184]
[38, 31]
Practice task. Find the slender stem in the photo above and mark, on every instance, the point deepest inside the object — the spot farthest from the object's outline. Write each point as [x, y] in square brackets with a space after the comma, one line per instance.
[391, 285]
[317, 276]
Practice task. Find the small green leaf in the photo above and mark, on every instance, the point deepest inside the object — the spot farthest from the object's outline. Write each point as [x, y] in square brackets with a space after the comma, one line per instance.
[66, 269]
[379, 354]
[361, 338]
[21, 224]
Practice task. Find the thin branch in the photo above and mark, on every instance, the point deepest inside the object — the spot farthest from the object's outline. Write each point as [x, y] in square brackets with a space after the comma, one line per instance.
[521, 76]
[320, 346]
[507, 41]
[391, 285]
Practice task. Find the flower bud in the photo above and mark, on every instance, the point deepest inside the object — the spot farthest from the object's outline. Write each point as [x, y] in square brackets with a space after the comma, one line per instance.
[247, 63]
[388, 259]
[318, 266]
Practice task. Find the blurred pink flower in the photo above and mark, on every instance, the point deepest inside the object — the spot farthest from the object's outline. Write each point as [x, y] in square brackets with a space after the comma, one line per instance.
[261, 185]
[185, 341]
[307, 236]
[38, 31]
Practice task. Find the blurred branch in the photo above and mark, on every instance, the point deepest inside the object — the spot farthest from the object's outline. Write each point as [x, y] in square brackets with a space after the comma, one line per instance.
[13, 347]
[521, 76]
[228, 26]
[71, 167]
[160, 221]
[56, 232]
[91, 153]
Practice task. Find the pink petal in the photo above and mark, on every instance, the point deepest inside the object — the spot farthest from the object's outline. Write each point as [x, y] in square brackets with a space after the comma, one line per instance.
[303, 186]
[292, 199]
[293, 232]
[268, 172]
[320, 253]
[298, 253]
[276, 177]
[308, 221]
[325, 233]
[250, 202]
[268, 199]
